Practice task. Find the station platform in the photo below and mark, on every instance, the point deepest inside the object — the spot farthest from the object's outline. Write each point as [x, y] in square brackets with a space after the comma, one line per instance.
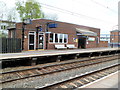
[110, 81]
[38, 53]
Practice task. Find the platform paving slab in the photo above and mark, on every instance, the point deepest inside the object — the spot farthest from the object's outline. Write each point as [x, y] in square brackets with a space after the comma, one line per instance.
[26, 54]
[111, 81]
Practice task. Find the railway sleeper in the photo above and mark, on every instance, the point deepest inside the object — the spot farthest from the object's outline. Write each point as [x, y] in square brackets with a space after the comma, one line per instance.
[61, 67]
[82, 81]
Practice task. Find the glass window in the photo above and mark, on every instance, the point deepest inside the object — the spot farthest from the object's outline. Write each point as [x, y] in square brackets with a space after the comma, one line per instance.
[31, 38]
[60, 38]
[56, 38]
[51, 37]
[2, 27]
[65, 38]
[31, 32]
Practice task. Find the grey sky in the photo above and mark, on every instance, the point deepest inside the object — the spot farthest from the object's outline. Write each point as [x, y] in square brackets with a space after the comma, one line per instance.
[101, 14]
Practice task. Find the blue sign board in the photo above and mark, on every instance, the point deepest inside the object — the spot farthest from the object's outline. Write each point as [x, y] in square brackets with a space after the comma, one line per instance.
[39, 29]
[53, 25]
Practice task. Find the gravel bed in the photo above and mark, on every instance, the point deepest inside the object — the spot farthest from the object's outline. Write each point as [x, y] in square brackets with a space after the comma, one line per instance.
[40, 81]
[42, 65]
[39, 65]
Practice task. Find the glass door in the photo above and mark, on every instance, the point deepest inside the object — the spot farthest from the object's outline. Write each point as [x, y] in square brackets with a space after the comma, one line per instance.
[41, 41]
[31, 40]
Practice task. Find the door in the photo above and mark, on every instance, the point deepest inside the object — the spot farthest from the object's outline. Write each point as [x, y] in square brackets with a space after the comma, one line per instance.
[81, 42]
[41, 41]
[31, 40]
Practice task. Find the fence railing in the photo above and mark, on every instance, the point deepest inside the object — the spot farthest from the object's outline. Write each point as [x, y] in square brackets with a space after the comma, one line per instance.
[10, 45]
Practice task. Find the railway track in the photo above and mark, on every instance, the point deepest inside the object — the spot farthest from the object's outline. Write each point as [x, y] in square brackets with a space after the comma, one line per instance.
[80, 81]
[7, 77]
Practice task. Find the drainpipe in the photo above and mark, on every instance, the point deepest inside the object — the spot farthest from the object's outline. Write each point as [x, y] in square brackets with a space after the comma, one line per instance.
[47, 35]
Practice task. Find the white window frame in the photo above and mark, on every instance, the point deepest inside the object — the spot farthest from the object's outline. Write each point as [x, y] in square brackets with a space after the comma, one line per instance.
[63, 38]
[63, 35]
[53, 37]
[58, 37]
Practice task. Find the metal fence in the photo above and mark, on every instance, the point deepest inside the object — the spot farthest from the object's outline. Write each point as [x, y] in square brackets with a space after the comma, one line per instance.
[10, 45]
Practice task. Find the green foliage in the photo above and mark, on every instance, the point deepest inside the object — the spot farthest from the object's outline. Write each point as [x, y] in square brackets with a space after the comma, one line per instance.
[3, 35]
[29, 9]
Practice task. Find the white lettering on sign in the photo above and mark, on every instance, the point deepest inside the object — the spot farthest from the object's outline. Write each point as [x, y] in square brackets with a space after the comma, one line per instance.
[91, 39]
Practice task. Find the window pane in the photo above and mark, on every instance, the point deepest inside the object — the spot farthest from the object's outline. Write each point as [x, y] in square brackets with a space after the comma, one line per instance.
[31, 39]
[65, 38]
[2, 27]
[60, 38]
[56, 38]
[51, 37]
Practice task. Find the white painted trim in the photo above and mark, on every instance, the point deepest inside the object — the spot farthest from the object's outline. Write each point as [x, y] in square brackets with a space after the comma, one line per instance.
[53, 37]
[63, 38]
[34, 39]
[58, 35]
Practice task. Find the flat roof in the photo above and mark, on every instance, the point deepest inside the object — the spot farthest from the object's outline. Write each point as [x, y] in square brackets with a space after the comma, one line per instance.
[115, 31]
[6, 21]
[48, 20]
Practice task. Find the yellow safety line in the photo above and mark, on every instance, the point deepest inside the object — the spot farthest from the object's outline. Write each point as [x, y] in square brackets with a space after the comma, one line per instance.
[40, 49]
[31, 50]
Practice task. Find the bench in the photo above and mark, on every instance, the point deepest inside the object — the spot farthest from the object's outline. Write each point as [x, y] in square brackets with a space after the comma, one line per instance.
[71, 46]
[60, 47]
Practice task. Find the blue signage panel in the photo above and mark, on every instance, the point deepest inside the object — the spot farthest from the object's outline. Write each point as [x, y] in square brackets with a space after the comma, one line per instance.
[53, 25]
[39, 29]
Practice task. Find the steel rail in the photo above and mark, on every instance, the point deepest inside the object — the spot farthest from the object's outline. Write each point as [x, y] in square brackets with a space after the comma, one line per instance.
[51, 86]
[54, 71]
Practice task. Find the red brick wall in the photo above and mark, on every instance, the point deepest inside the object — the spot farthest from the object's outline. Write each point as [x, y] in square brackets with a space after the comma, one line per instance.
[9, 34]
[64, 28]
[115, 37]
[92, 44]
[103, 44]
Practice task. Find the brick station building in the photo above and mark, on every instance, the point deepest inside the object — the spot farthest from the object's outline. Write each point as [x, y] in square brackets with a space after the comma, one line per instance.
[115, 38]
[44, 34]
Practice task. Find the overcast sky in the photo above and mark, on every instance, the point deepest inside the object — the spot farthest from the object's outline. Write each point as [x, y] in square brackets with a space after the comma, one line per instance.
[101, 14]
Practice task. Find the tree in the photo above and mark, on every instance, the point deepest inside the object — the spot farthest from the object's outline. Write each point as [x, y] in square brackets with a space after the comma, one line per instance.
[12, 15]
[2, 10]
[29, 9]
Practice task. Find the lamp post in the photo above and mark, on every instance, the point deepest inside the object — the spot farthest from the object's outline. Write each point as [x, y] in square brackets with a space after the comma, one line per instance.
[25, 22]
[47, 26]
[112, 42]
[38, 28]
